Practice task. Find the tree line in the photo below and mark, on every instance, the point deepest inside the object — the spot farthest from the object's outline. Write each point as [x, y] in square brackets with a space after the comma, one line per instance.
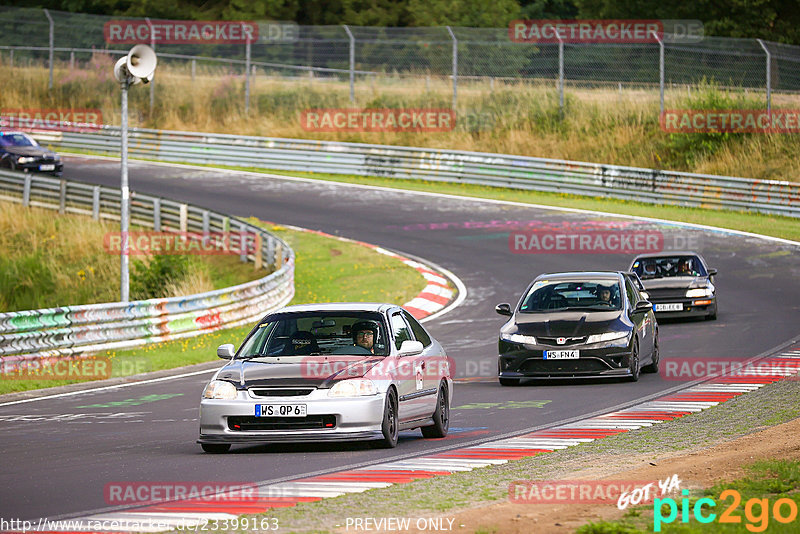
[774, 20]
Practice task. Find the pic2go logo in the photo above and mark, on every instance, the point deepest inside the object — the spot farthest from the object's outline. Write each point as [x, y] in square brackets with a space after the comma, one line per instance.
[756, 511]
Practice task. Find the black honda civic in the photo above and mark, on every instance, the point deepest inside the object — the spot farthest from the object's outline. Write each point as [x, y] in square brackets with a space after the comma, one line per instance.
[578, 324]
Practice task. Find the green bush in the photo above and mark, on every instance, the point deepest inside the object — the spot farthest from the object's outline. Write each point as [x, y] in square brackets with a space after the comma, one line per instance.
[149, 279]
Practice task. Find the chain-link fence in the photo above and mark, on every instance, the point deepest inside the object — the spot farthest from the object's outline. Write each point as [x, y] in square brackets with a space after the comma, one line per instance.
[456, 56]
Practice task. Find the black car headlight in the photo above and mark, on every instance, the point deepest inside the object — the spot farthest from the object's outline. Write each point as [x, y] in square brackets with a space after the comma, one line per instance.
[606, 336]
[22, 160]
[519, 338]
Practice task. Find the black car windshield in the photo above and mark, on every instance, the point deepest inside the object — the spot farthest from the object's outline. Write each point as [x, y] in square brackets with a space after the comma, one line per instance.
[314, 333]
[16, 139]
[668, 266]
[554, 295]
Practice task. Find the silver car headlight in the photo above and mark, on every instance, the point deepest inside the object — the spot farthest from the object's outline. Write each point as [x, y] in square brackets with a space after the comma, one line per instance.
[354, 387]
[219, 389]
[607, 336]
[519, 338]
[25, 159]
[700, 292]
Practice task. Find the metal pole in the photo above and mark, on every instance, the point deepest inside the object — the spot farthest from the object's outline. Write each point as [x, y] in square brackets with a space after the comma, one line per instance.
[660, 70]
[352, 65]
[560, 75]
[124, 198]
[455, 67]
[152, 82]
[769, 76]
[52, 39]
[247, 75]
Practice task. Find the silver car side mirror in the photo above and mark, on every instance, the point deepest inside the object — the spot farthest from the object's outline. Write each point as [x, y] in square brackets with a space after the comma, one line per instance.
[225, 351]
[410, 348]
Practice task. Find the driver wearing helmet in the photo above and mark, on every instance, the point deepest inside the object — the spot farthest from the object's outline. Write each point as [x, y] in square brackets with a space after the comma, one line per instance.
[604, 294]
[365, 334]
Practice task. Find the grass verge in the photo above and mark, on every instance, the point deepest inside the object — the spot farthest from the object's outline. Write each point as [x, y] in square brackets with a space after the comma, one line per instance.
[740, 416]
[326, 270]
[50, 260]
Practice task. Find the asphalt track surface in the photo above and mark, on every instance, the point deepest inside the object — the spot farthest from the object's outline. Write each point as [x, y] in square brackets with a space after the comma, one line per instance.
[58, 454]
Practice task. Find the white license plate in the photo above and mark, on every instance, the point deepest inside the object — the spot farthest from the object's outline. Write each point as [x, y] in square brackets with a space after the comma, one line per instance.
[47, 167]
[669, 307]
[280, 410]
[562, 354]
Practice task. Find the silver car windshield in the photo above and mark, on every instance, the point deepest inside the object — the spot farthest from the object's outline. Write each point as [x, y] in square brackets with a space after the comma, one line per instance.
[668, 266]
[589, 295]
[311, 334]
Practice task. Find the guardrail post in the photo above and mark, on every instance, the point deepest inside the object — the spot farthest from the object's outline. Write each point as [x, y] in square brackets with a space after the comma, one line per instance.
[71, 60]
[184, 213]
[11, 59]
[278, 256]
[258, 252]
[242, 243]
[206, 224]
[62, 197]
[769, 76]
[96, 203]
[156, 214]
[26, 191]
[194, 69]
[352, 64]
[271, 251]
[226, 224]
[51, 45]
[455, 68]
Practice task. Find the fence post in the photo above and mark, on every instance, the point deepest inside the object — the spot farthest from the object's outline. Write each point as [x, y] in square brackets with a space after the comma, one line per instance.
[194, 68]
[242, 243]
[258, 252]
[769, 76]
[62, 197]
[96, 203]
[11, 58]
[153, 46]
[71, 60]
[560, 75]
[52, 39]
[246, 73]
[184, 217]
[26, 191]
[352, 64]
[660, 71]
[156, 214]
[455, 67]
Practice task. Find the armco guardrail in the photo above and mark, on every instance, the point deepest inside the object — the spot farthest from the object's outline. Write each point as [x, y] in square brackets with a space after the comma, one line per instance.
[500, 170]
[71, 330]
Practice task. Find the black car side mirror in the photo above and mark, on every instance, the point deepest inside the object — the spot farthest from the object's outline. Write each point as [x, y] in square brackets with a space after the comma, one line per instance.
[503, 309]
[643, 306]
[712, 272]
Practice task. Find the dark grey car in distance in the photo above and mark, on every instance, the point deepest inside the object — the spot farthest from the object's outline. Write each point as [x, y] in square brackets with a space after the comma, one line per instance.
[578, 324]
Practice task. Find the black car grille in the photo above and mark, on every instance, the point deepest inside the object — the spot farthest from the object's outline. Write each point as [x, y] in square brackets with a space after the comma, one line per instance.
[553, 341]
[281, 392]
[667, 294]
[240, 423]
[581, 365]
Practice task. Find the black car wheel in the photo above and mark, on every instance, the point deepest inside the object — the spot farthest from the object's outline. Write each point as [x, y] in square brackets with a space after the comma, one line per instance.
[633, 363]
[509, 381]
[441, 417]
[389, 427]
[216, 448]
[653, 367]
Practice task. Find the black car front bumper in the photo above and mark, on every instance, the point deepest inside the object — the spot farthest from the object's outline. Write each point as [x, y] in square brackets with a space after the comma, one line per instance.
[529, 362]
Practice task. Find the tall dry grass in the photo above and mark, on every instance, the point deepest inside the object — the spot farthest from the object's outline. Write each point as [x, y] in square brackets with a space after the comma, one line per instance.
[49, 260]
[610, 125]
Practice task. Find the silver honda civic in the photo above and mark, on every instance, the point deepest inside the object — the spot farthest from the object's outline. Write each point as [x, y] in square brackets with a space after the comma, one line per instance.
[340, 372]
